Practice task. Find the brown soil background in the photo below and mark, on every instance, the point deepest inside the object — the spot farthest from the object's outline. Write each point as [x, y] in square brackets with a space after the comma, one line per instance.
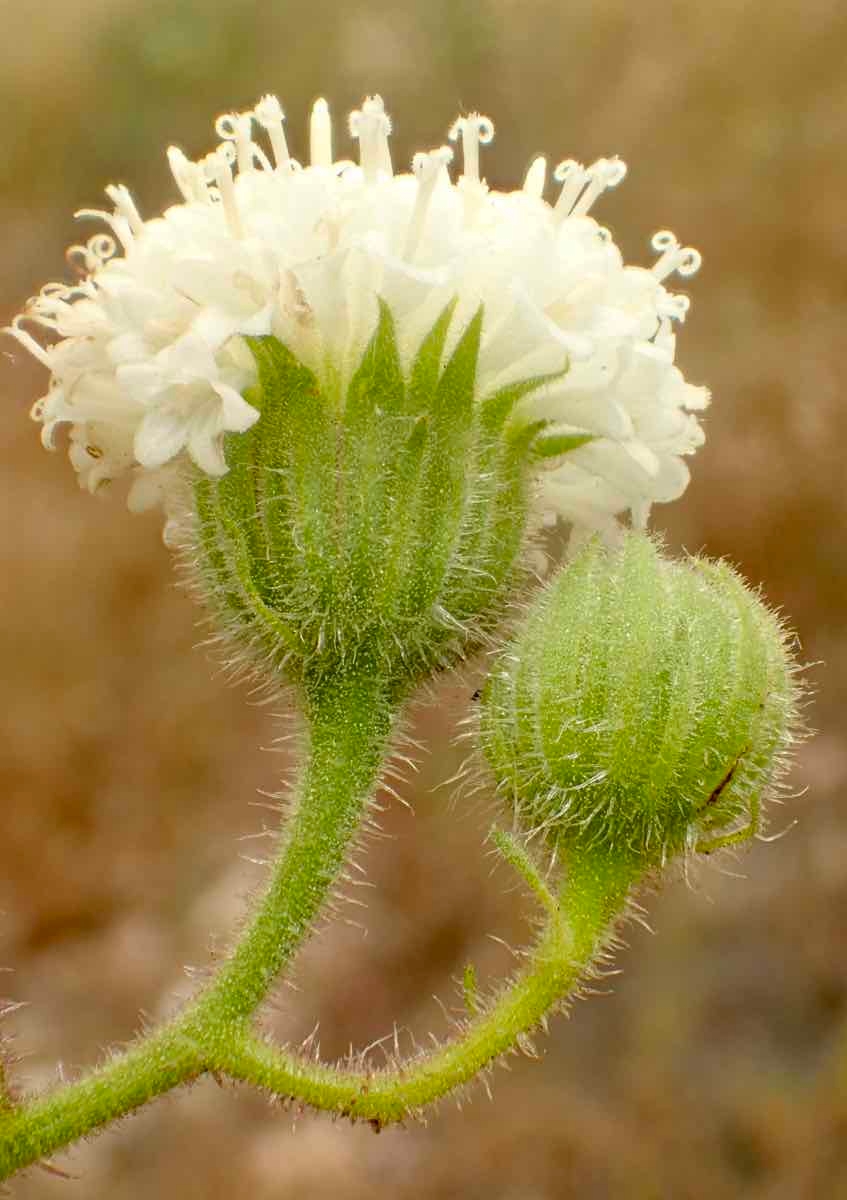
[717, 1064]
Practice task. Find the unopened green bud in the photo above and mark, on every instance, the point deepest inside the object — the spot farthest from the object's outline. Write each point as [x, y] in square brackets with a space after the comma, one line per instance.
[376, 523]
[645, 707]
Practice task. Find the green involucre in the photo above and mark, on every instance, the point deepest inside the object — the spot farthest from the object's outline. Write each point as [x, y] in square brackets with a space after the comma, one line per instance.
[380, 526]
[644, 707]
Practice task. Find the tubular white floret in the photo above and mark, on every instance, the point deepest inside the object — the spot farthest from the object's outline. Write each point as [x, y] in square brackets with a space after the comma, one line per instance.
[218, 169]
[581, 186]
[684, 260]
[28, 342]
[371, 127]
[238, 128]
[96, 252]
[147, 363]
[603, 174]
[189, 176]
[573, 178]
[125, 206]
[536, 177]
[673, 308]
[268, 112]
[426, 167]
[125, 222]
[473, 131]
[320, 135]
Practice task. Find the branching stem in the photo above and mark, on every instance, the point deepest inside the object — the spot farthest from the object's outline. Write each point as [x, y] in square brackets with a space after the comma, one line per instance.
[349, 725]
[387, 1096]
[350, 721]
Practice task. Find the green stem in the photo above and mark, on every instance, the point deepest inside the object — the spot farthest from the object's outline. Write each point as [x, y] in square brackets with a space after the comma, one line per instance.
[350, 722]
[562, 955]
[152, 1066]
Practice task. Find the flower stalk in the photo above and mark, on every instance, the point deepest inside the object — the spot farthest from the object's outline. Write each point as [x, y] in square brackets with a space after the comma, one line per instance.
[216, 1033]
[350, 722]
[358, 395]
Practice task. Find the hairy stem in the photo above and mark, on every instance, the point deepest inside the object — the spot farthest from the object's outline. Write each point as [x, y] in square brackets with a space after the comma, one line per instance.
[349, 723]
[563, 953]
[154, 1065]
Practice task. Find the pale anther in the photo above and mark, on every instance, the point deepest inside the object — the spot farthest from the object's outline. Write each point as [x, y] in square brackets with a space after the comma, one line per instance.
[603, 174]
[117, 223]
[238, 128]
[29, 343]
[371, 127]
[573, 177]
[101, 247]
[268, 112]
[426, 168]
[125, 206]
[320, 135]
[685, 260]
[536, 177]
[674, 308]
[188, 176]
[218, 165]
[474, 130]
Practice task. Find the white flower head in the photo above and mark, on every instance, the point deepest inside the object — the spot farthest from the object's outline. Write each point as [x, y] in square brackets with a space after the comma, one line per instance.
[145, 352]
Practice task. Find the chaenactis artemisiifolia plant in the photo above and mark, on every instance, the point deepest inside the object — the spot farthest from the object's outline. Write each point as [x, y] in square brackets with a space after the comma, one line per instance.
[357, 396]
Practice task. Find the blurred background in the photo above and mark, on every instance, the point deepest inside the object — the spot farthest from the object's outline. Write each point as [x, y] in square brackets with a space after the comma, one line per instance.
[716, 1065]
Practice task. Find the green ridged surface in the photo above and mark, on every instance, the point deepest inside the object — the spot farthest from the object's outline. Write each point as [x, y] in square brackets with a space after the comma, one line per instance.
[380, 523]
[644, 704]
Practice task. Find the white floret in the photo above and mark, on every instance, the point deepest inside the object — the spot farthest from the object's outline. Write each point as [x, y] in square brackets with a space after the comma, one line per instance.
[148, 369]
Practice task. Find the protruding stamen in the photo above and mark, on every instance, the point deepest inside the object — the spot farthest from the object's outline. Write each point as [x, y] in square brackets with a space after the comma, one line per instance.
[268, 112]
[582, 185]
[371, 126]
[118, 224]
[54, 291]
[320, 135]
[101, 248]
[238, 128]
[573, 177]
[27, 340]
[46, 309]
[54, 294]
[673, 307]
[218, 165]
[536, 177]
[188, 176]
[603, 174]
[125, 206]
[426, 168]
[93, 255]
[685, 260]
[474, 131]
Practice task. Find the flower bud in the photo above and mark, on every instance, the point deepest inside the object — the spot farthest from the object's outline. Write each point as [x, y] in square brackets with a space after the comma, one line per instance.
[644, 708]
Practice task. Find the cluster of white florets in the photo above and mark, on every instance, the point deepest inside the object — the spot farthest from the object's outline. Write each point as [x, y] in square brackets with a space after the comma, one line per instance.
[148, 366]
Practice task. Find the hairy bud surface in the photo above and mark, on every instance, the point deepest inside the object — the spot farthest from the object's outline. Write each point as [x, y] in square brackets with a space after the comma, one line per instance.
[645, 707]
